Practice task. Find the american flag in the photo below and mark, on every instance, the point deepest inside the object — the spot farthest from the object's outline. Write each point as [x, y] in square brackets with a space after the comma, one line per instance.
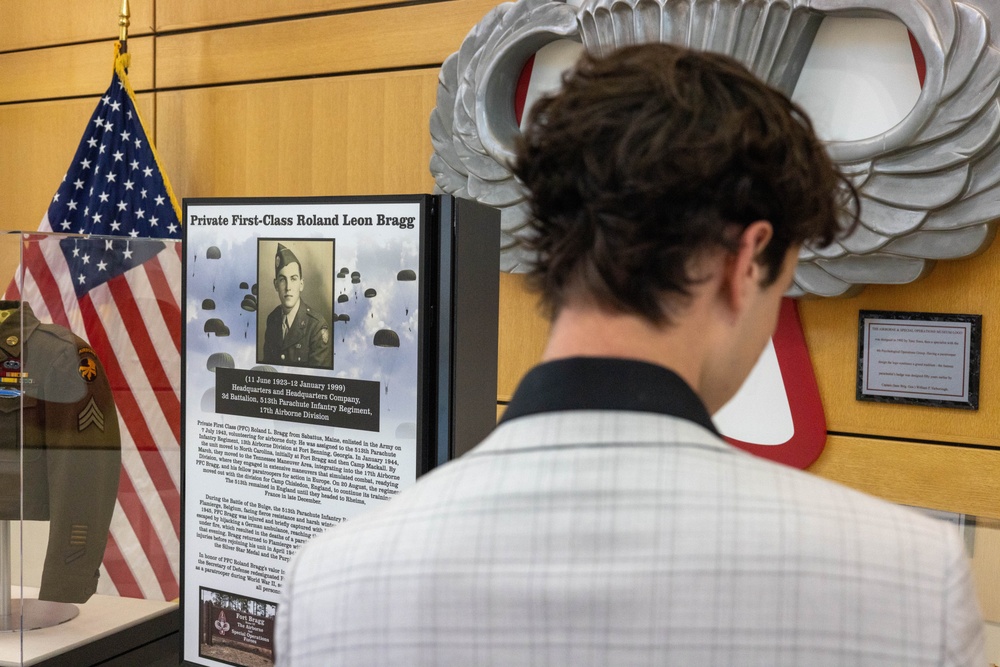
[122, 293]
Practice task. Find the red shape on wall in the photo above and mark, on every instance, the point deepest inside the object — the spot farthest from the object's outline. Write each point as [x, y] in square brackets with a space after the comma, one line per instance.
[808, 419]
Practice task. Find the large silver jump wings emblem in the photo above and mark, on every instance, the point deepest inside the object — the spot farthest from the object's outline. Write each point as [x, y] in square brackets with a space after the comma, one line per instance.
[930, 185]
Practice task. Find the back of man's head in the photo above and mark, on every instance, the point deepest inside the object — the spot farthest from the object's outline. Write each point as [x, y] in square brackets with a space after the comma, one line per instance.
[655, 155]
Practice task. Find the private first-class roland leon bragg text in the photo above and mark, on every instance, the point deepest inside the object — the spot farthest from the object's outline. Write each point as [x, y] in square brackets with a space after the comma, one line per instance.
[335, 220]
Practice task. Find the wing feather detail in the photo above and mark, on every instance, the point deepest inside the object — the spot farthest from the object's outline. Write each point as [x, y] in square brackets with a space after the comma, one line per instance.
[929, 188]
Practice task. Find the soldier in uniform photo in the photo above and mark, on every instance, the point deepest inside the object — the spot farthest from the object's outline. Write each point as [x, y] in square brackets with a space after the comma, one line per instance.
[295, 335]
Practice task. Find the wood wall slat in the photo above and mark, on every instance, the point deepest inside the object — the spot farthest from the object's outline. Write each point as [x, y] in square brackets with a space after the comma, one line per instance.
[71, 71]
[181, 15]
[405, 37]
[364, 134]
[831, 328]
[943, 477]
[523, 333]
[34, 23]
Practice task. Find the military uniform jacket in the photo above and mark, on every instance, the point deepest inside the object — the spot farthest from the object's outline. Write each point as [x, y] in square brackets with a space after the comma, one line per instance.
[306, 344]
[72, 448]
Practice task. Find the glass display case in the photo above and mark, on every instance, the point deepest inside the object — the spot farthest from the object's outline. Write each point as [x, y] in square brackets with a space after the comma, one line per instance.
[90, 458]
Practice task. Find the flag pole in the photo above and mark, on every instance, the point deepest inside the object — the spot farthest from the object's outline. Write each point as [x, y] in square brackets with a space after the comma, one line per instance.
[123, 23]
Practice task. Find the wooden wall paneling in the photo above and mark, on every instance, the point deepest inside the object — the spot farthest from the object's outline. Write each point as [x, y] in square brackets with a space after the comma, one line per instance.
[942, 477]
[39, 142]
[187, 15]
[71, 71]
[34, 23]
[364, 134]
[407, 36]
[959, 286]
[523, 333]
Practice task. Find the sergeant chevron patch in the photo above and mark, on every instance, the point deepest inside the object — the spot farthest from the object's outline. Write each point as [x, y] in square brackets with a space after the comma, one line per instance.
[91, 415]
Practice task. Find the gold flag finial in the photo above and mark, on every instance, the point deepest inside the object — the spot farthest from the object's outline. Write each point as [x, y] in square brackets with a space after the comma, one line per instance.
[123, 23]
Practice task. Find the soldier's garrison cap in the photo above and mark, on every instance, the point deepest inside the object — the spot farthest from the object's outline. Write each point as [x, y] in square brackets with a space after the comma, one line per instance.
[283, 258]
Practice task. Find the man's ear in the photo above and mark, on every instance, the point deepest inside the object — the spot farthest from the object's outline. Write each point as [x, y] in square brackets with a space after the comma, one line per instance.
[744, 272]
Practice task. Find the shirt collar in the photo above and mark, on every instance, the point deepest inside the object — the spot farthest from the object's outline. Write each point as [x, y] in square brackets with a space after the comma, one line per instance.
[597, 383]
[292, 314]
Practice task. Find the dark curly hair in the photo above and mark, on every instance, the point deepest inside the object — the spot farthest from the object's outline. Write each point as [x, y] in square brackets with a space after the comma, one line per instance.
[650, 157]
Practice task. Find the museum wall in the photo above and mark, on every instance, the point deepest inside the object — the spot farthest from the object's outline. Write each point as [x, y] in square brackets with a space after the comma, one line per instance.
[332, 97]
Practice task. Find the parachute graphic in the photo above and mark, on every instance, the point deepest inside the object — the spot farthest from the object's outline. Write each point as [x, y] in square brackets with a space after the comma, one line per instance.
[387, 343]
[220, 360]
[217, 327]
[407, 276]
[249, 303]
[386, 338]
[213, 252]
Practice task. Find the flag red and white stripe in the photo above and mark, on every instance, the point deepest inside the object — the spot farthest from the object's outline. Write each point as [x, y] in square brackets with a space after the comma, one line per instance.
[123, 297]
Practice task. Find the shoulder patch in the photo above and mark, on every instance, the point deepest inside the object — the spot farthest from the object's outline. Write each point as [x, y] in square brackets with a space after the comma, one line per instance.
[324, 335]
[88, 365]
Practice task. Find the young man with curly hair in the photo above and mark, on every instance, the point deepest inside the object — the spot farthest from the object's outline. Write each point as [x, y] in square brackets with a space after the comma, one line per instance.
[605, 521]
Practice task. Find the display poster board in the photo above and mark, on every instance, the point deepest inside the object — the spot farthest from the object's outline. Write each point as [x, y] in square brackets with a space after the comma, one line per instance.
[303, 349]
